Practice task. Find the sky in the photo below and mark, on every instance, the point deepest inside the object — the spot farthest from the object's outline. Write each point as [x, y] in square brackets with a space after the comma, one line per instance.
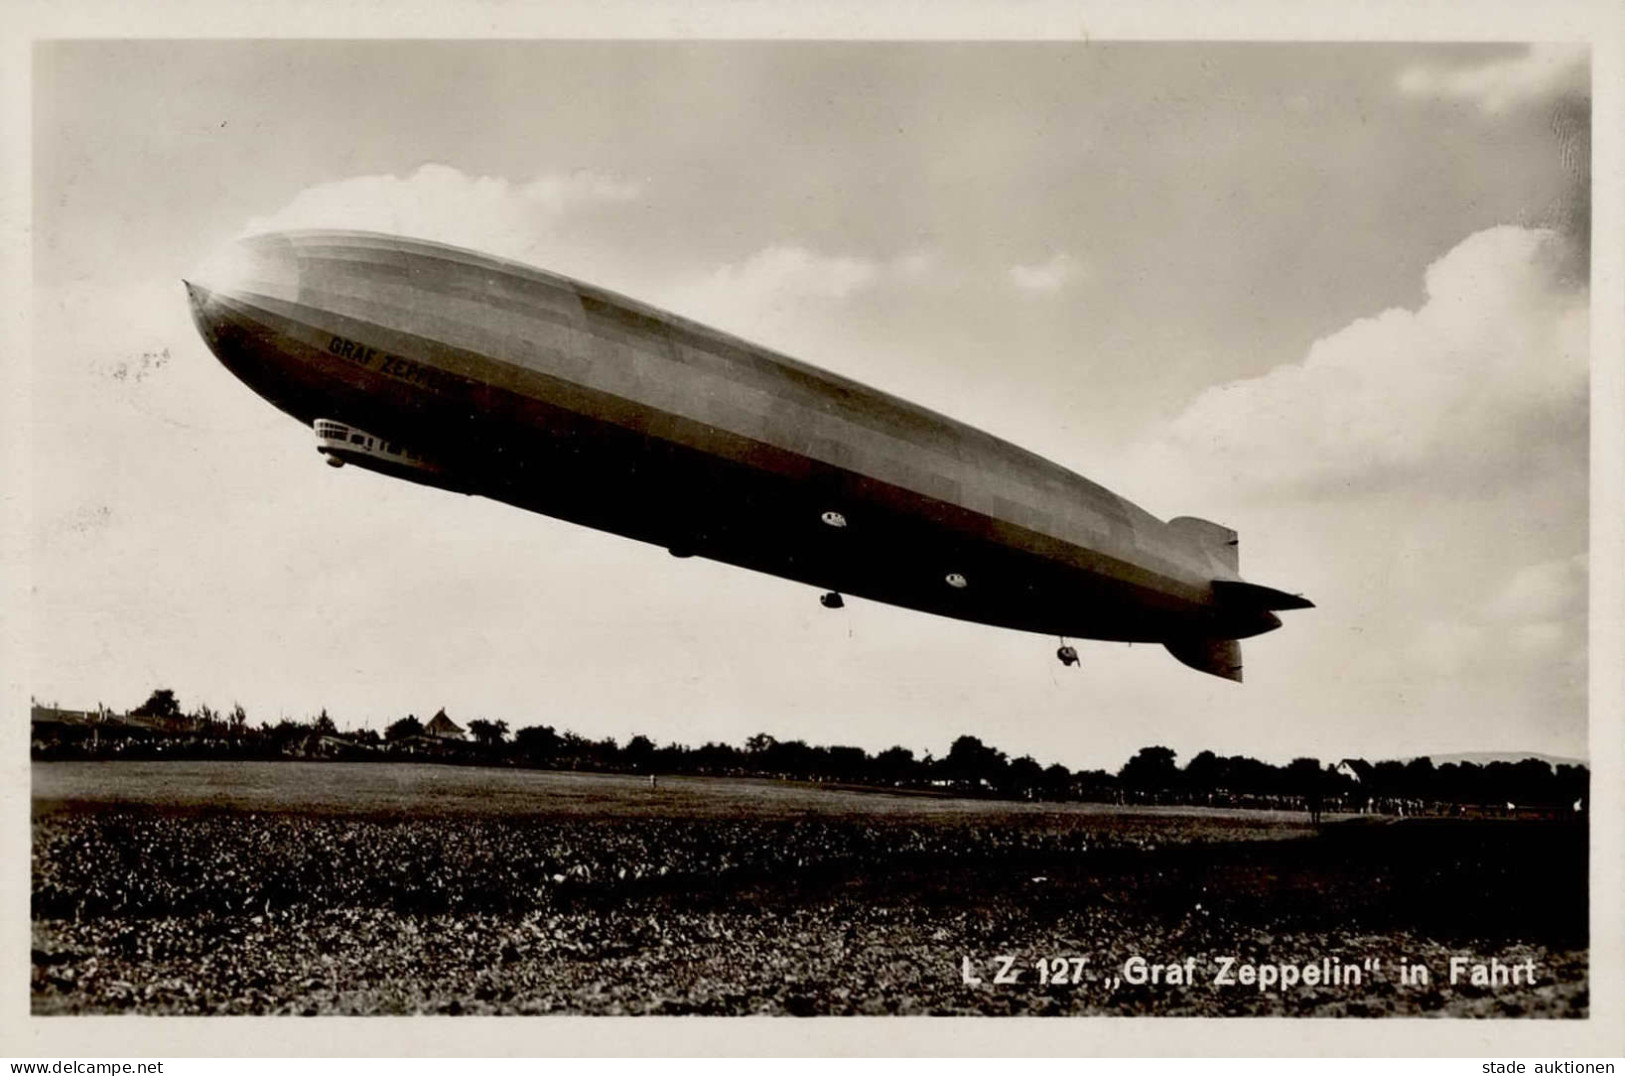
[1334, 296]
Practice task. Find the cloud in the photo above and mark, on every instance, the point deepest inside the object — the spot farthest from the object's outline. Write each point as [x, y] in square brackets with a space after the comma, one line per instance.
[1046, 277]
[1552, 591]
[791, 270]
[1557, 78]
[1543, 73]
[438, 202]
[784, 279]
[1487, 379]
[774, 293]
[1538, 617]
[1421, 474]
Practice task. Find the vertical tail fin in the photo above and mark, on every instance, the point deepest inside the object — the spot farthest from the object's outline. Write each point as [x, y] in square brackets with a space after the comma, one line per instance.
[1221, 657]
[1220, 544]
[1239, 610]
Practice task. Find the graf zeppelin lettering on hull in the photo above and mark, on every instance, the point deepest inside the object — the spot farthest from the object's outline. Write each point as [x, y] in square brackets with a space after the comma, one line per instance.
[481, 375]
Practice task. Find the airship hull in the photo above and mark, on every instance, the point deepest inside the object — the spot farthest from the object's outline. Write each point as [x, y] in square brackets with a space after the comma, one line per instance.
[560, 398]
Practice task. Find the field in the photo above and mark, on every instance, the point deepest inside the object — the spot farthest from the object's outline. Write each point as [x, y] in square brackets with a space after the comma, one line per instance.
[175, 887]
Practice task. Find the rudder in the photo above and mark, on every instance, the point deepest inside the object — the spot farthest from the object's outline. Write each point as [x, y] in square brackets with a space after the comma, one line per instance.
[1218, 542]
[1219, 657]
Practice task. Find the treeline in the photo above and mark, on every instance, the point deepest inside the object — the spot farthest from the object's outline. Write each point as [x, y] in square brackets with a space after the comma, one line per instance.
[159, 728]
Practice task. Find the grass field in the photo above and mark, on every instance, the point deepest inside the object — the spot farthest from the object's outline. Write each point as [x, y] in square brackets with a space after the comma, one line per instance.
[197, 887]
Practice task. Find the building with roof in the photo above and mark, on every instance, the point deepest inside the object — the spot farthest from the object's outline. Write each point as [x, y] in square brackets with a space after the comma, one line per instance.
[442, 727]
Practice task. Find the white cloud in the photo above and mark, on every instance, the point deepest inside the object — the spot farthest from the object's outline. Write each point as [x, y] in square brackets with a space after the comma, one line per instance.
[437, 202]
[1420, 474]
[916, 265]
[1045, 277]
[1538, 617]
[758, 294]
[1544, 593]
[781, 293]
[1540, 614]
[1489, 377]
[793, 271]
[780, 281]
[1544, 72]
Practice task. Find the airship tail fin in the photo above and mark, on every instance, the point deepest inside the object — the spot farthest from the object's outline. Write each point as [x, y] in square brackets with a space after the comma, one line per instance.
[1221, 657]
[1218, 543]
[1258, 597]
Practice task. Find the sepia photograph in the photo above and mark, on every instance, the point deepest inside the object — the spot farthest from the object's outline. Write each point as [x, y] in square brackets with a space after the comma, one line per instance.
[810, 528]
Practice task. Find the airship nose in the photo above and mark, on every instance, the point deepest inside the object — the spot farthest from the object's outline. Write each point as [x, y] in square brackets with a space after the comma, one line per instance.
[245, 270]
[265, 264]
[200, 299]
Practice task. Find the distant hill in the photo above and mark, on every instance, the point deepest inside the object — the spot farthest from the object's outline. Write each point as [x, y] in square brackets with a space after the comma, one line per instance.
[1484, 758]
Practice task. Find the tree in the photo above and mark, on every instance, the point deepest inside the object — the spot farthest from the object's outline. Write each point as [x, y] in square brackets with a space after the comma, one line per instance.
[970, 760]
[896, 764]
[1531, 782]
[488, 733]
[161, 703]
[239, 719]
[324, 724]
[1305, 778]
[846, 763]
[1151, 770]
[285, 733]
[537, 744]
[1388, 778]
[1418, 779]
[715, 758]
[791, 758]
[206, 719]
[760, 743]
[405, 728]
[1205, 772]
[640, 752]
[1025, 776]
[1573, 784]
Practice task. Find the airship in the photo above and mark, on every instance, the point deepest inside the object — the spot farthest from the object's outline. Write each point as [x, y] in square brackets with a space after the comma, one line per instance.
[484, 376]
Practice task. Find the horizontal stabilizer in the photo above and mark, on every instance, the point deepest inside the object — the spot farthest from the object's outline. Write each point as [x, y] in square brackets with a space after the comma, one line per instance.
[1221, 657]
[1253, 596]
